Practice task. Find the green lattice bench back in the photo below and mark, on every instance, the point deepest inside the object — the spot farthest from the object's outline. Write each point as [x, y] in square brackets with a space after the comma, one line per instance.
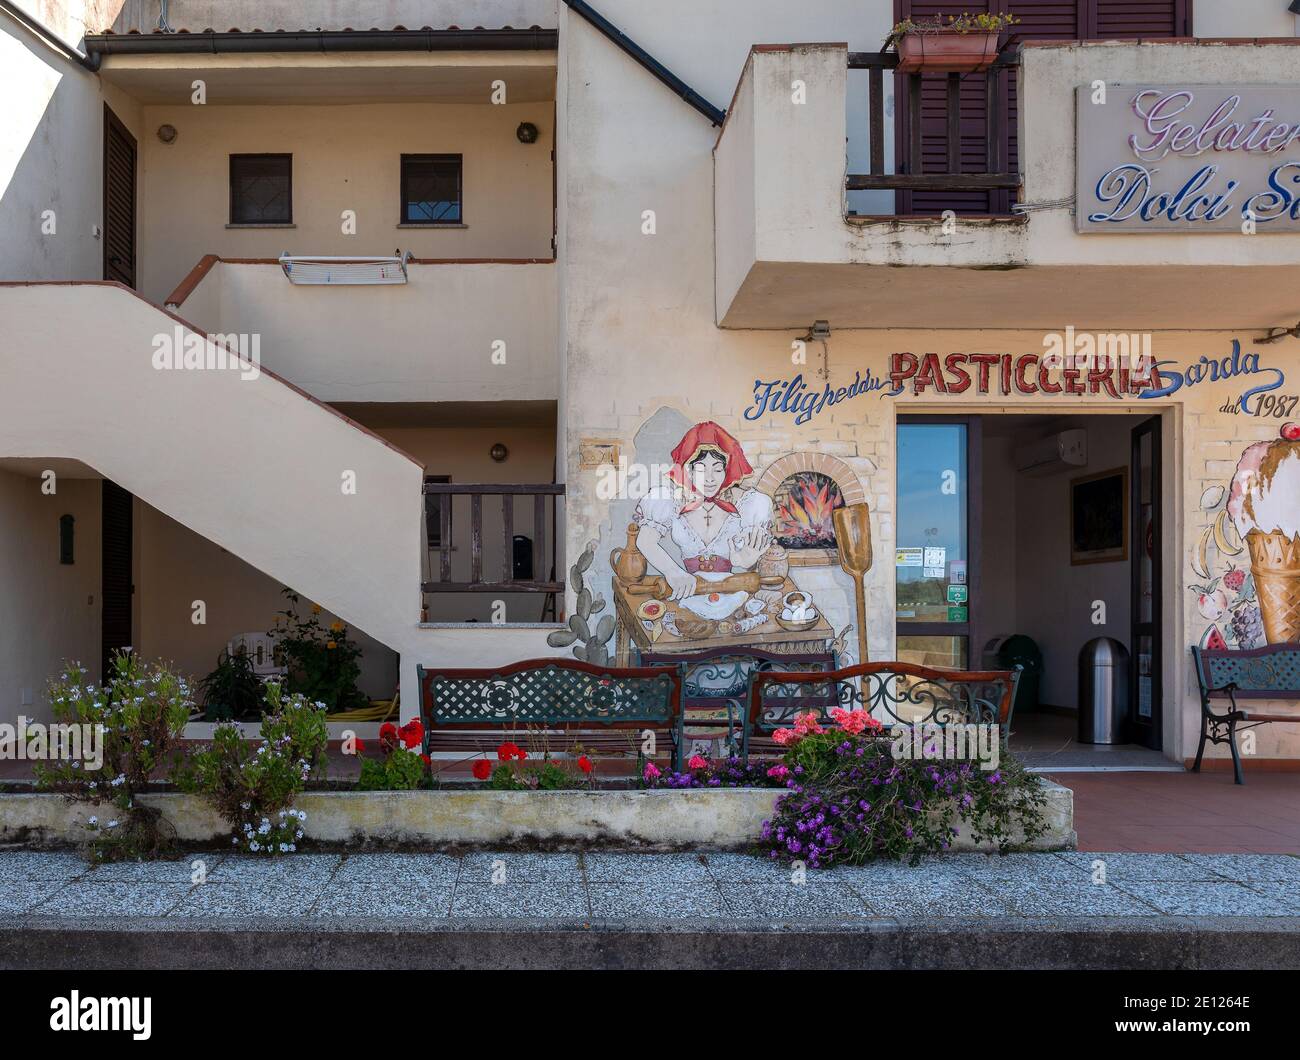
[559, 701]
[1226, 676]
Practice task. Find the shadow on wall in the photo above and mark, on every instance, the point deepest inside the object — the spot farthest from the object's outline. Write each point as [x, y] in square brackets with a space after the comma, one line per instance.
[54, 125]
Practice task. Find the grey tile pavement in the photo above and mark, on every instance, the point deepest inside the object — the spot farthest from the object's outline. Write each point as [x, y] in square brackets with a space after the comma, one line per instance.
[690, 886]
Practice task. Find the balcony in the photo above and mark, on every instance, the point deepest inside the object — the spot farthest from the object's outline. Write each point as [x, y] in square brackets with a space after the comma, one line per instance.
[456, 331]
[789, 249]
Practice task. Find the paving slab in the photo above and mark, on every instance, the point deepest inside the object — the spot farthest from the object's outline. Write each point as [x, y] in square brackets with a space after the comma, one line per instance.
[1222, 899]
[413, 900]
[481, 898]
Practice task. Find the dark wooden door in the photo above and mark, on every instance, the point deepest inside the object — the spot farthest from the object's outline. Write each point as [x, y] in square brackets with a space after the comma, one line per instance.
[1039, 20]
[119, 201]
[116, 583]
[1146, 574]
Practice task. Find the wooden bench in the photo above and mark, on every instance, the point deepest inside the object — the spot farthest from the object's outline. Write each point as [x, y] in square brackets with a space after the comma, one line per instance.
[1259, 673]
[715, 683]
[894, 693]
[555, 703]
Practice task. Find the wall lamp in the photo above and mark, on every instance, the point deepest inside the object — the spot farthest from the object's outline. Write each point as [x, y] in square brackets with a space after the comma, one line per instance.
[1277, 334]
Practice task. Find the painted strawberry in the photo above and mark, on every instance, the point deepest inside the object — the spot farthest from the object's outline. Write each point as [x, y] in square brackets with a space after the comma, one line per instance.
[1234, 580]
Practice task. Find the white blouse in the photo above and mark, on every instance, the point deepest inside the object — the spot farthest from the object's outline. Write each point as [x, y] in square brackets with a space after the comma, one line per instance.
[661, 509]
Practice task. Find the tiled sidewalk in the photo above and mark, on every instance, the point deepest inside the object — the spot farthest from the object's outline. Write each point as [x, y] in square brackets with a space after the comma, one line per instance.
[697, 888]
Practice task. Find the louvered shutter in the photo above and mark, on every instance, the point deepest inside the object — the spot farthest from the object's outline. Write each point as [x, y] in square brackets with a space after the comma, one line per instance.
[119, 201]
[1038, 20]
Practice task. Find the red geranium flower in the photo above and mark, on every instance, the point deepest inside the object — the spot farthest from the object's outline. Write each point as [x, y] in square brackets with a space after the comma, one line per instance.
[412, 733]
[482, 769]
[388, 731]
[584, 763]
[359, 744]
[428, 762]
[508, 752]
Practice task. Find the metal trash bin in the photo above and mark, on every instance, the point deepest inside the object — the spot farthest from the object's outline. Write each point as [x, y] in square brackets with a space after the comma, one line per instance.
[1103, 691]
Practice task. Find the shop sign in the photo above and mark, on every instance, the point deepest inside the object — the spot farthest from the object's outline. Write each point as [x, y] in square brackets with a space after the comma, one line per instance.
[958, 614]
[958, 594]
[1188, 158]
[908, 557]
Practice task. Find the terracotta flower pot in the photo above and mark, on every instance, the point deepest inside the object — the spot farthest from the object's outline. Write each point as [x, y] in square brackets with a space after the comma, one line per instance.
[961, 53]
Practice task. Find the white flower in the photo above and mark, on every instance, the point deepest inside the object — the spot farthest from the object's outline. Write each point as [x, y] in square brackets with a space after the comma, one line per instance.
[112, 824]
[284, 848]
[94, 820]
[253, 846]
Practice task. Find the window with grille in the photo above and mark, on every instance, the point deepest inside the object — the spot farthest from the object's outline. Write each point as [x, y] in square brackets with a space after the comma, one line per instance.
[261, 189]
[431, 190]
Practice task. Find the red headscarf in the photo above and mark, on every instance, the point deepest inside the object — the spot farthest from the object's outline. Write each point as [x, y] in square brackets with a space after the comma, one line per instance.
[709, 435]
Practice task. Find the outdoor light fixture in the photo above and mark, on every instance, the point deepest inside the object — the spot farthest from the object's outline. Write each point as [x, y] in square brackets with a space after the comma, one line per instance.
[1277, 334]
[821, 332]
[527, 132]
[167, 134]
[499, 452]
[1294, 7]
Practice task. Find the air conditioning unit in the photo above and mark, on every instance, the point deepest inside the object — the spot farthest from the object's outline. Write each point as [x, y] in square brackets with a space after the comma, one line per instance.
[1053, 453]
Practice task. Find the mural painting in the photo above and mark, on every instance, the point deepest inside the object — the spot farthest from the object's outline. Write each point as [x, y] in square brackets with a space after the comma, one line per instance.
[728, 567]
[1250, 592]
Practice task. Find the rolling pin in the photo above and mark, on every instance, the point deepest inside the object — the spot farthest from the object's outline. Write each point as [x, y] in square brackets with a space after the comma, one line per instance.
[747, 582]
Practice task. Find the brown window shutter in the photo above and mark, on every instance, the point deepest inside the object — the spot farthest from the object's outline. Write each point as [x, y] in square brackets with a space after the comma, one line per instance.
[1039, 20]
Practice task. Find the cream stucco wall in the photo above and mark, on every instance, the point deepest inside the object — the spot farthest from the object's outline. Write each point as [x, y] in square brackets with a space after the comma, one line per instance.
[481, 332]
[51, 144]
[49, 612]
[344, 158]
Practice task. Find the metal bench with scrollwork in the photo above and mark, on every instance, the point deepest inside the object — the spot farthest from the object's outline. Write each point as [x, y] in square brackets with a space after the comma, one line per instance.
[553, 703]
[1259, 673]
[894, 693]
[715, 683]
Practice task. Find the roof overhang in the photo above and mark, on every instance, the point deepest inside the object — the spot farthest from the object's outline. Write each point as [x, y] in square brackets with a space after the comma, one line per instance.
[333, 77]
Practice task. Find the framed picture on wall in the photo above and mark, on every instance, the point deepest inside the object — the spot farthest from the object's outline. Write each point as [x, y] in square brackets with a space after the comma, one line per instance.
[1099, 517]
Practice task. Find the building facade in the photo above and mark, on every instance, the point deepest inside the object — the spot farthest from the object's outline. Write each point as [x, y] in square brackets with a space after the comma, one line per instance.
[675, 280]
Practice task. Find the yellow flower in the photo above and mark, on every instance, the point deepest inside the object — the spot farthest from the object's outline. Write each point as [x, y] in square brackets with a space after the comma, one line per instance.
[315, 609]
[331, 645]
[337, 627]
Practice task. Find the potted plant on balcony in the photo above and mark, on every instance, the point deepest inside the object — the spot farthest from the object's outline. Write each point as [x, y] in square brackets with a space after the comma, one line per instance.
[960, 44]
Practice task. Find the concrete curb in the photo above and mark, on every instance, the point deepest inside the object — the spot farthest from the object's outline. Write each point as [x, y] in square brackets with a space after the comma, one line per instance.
[1115, 943]
[720, 818]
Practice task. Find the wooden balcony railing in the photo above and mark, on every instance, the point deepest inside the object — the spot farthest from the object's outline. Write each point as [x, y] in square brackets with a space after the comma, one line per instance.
[918, 118]
[527, 565]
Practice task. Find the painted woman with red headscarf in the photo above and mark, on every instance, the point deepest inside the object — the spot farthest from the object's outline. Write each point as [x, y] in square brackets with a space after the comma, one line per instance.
[717, 526]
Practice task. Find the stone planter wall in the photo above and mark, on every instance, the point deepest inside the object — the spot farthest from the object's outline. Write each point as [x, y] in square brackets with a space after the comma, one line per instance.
[657, 820]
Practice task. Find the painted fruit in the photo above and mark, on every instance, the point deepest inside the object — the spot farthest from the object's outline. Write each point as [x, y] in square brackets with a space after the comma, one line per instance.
[1234, 580]
[1212, 605]
[1291, 432]
[1214, 640]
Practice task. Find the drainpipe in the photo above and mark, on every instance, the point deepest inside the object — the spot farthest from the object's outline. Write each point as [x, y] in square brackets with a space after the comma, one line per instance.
[627, 44]
[36, 26]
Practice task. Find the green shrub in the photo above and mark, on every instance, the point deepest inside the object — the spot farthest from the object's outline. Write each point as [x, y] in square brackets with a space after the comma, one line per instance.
[232, 691]
[139, 715]
[254, 788]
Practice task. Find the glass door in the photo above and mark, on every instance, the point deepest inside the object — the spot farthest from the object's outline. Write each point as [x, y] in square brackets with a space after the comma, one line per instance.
[936, 574]
[1144, 643]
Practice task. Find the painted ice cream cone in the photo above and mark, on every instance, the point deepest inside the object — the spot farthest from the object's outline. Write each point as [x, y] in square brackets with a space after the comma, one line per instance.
[1275, 564]
[1265, 507]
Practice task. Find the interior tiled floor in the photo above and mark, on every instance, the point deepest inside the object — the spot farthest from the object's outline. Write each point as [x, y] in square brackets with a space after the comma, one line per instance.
[667, 887]
[1051, 741]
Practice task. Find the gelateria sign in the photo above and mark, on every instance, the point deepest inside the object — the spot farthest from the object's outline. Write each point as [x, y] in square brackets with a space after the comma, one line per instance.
[1188, 158]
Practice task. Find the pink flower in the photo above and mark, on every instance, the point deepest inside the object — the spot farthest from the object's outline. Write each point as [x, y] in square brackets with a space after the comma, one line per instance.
[806, 723]
[651, 771]
[785, 737]
[779, 771]
[855, 721]
[697, 762]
